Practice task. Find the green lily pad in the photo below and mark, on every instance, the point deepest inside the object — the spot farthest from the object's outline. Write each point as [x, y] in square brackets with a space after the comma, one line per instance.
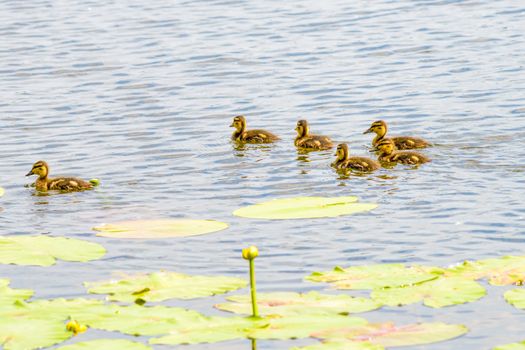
[160, 286]
[288, 303]
[341, 346]
[304, 207]
[513, 346]
[516, 297]
[55, 309]
[105, 344]
[376, 276]
[387, 334]
[217, 329]
[502, 271]
[27, 334]
[44, 250]
[159, 228]
[435, 293]
[8, 296]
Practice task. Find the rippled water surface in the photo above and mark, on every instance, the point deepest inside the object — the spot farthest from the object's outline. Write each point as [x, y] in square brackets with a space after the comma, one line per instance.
[141, 93]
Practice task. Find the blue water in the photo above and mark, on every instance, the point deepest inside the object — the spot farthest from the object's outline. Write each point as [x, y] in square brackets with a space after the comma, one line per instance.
[140, 94]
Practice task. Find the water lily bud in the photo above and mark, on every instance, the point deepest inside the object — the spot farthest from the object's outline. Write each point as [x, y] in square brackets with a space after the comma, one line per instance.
[75, 327]
[250, 253]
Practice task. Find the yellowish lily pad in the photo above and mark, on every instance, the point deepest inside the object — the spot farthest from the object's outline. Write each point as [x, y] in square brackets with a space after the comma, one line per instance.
[2, 191]
[106, 344]
[435, 293]
[28, 334]
[504, 271]
[44, 250]
[164, 285]
[289, 303]
[304, 207]
[8, 296]
[159, 228]
[376, 276]
[516, 297]
[513, 346]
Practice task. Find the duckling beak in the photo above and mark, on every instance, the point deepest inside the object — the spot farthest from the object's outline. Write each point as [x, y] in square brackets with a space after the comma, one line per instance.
[368, 131]
[231, 125]
[30, 173]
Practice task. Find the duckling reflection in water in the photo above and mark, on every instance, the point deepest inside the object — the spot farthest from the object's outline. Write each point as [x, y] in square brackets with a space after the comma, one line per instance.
[250, 136]
[388, 153]
[344, 161]
[43, 183]
[308, 141]
[401, 142]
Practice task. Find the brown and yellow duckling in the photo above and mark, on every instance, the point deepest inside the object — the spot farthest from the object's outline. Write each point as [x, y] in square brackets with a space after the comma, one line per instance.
[308, 141]
[388, 153]
[401, 142]
[250, 136]
[344, 161]
[43, 183]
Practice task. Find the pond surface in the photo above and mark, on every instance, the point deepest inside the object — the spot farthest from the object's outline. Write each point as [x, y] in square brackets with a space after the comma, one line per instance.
[141, 95]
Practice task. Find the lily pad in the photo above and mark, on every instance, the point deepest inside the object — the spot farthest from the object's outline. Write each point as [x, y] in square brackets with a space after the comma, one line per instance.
[159, 228]
[387, 334]
[502, 271]
[436, 293]
[44, 250]
[8, 296]
[304, 207]
[513, 346]
[376, 276]
[516, 297]
[2, 191]
[105, 344]
[27, 334]
[288, 303]
[160, 286]
[341, 346]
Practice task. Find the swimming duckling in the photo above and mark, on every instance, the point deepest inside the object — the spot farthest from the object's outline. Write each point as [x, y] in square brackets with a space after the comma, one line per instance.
[344, 161]
[401, 142]
[251, 136]
[43, 184]
[305, 140]
[388, 153]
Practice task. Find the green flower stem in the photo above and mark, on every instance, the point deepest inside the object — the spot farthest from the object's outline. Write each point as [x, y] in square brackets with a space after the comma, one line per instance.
[255, 309]
[254, 344]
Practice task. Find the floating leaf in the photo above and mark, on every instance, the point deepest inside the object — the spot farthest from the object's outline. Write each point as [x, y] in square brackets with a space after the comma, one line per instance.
[376, 276]
[159, 228]
[387, 334]
[27, 334]
[502, 271]
[56, 309]
[213, 330]
[2, 191]
[8, 296]
[513, 346]
[106, 344]
[44, 250]
[436, 293]
[288, 303]
[217, 329]
[342, 346]
[160, 286]
[304, 207]
[516, 297]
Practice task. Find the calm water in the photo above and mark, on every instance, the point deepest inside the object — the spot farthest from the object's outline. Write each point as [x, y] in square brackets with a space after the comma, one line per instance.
[140, 94]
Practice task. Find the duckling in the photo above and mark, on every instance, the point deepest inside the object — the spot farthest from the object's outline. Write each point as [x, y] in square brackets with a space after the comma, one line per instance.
[388, 153]
[250, 136]
[344, 161]
[43, 184]
[306, 140]
[401, 142]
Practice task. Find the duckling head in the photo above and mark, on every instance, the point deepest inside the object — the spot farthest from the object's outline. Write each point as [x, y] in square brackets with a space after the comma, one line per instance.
[239, 123]
[302, 128]
[342, 152]
[40, 168]
[379, 127]
[386, 146]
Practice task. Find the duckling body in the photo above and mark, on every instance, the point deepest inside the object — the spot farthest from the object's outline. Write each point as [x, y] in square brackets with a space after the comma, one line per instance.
[250, 136]
[388, 153]
[401, 142]
[308, 141]
[344, 161]
[43, 183]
